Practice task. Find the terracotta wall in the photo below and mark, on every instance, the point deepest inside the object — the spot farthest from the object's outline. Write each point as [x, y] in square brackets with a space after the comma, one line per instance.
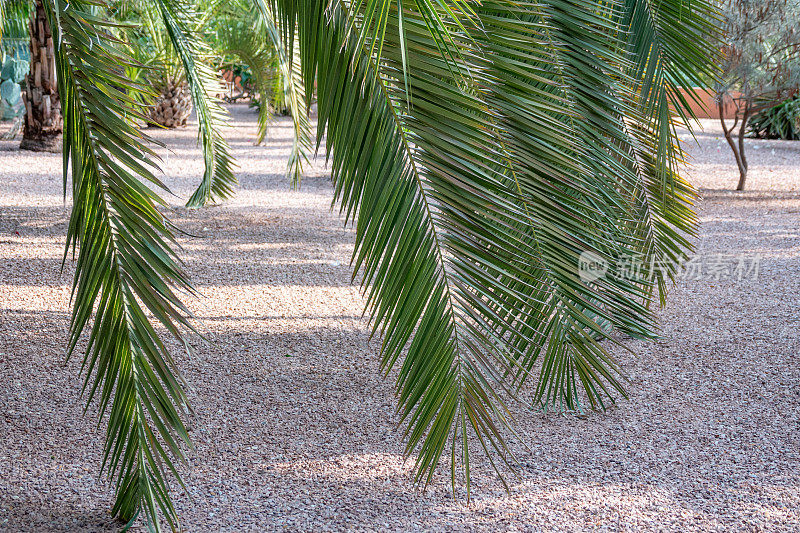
[228, 76]
[707, 107]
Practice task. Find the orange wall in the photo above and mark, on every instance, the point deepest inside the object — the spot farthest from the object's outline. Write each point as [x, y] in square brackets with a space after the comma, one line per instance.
[707, 108]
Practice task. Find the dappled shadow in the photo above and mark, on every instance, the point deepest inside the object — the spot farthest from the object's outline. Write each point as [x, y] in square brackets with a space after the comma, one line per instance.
[284, 412]
[731, 196]
[258, 244]
[33, 221]
[281, 414]
[55, 514]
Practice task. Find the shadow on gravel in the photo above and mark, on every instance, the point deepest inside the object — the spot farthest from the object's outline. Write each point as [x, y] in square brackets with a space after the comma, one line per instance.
[730, 197]
[54, 515]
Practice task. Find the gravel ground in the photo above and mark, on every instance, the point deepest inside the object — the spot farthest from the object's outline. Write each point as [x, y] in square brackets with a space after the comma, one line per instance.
[294, 428]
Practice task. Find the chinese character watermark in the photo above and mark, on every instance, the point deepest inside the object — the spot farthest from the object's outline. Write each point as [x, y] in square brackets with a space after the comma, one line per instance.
[716, 267]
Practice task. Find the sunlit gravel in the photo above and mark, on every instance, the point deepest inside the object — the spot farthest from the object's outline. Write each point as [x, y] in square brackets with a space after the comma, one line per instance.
[295, 429]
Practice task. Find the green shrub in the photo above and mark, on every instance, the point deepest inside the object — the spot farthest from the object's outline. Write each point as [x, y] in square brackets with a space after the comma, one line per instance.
[781, 121]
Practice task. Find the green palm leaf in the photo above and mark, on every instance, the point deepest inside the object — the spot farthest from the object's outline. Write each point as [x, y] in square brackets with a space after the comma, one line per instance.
[293, 89]
[238, 34]
[559, 124]
[126, 273]
[219, 180]
[671, 44]
[513, 157]
[13, 21]
[422, 187]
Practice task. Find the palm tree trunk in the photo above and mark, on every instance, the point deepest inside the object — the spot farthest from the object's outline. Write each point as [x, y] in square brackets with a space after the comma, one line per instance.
[43, 123]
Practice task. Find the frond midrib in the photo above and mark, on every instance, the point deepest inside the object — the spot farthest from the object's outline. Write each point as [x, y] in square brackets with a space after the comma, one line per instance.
[421, 188]
[139, 421]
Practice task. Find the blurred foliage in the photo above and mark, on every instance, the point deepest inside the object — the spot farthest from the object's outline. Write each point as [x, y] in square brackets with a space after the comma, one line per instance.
[14, 55]
[781, 121]
[761, 54]
[14, 29]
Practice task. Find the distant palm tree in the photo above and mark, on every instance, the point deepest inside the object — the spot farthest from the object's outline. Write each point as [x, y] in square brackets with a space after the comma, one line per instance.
[43, 124]
[480, 150]
[177, 53]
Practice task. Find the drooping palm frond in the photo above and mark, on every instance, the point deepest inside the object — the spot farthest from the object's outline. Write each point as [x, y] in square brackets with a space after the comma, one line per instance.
[219, 179]
[639, 207]
[293, 90]
[295, 100]
[480, 151]
[513, 158]
[670, 47]
[126, 274]
[431, 216]
[237, 33]
[559, 124]
[468, 255]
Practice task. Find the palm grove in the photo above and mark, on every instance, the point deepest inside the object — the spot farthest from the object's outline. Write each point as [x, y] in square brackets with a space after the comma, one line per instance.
[478, 148]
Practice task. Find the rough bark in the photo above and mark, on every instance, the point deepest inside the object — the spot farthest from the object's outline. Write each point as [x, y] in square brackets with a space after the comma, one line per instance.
[43, 122]
[173, 107]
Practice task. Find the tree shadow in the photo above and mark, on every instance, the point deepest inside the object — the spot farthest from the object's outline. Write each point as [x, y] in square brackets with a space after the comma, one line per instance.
[54, 514]
[294, 428]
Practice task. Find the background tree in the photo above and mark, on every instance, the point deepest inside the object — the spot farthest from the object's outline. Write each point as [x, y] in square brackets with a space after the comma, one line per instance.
[43, 122]
[761, 64]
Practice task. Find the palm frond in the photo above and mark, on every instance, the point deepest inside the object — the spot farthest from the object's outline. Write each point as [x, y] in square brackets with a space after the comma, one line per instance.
[510, 217]
[576, 152]
[238, 34]
[431, 231]
[510, 161]
[126, 274]
[219, 179]
[558, 121]
[293, 90]
[672, 45]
